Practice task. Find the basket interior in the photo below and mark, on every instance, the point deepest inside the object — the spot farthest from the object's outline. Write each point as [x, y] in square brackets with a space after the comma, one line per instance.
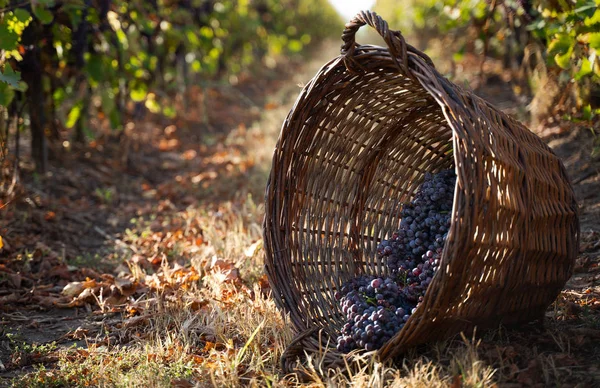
[361, 153]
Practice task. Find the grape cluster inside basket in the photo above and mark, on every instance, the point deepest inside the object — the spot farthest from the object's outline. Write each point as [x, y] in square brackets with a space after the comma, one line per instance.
[355, 147]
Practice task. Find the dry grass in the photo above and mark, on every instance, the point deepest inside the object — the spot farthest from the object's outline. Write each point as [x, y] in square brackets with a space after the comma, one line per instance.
[228, 334]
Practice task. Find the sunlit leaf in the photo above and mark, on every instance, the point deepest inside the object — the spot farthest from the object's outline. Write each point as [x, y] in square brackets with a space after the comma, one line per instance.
[561, 44]
[59, 96]
[585, 69]
[586, 112]
[594, 19]
[586, 7]
[138, 92]
[192, 38]
[594, 41]
[152, 104]
[74, 115]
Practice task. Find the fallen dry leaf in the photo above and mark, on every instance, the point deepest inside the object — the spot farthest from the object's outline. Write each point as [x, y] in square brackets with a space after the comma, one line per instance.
[125, 286]
[251, 250]
[73, 289]
[232, 275]
[86, 296]
[220, 264]
[197, 304]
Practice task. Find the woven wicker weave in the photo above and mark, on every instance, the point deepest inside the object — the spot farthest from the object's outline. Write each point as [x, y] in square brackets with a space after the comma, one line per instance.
[356, 146]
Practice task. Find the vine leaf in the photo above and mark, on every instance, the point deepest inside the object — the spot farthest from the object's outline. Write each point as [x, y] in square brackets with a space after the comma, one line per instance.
[6, 94]
[8, 38]
[595, 41]
[10, 76]
[22, 15]
[586, 68]
[43, 15]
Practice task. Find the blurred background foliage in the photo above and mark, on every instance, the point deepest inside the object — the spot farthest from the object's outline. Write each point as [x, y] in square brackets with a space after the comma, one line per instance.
[63, 61]
[552, 47]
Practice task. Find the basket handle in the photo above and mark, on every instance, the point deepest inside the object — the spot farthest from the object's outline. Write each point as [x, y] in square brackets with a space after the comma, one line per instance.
[398, 47]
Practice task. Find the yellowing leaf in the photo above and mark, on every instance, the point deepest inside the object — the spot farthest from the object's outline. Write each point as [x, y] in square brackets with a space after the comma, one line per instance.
[564, 60]
[74, 114]
[152, 104]
[1, 243]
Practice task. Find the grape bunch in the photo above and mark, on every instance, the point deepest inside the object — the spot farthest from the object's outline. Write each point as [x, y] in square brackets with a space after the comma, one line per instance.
[377, 308]
[413, 252]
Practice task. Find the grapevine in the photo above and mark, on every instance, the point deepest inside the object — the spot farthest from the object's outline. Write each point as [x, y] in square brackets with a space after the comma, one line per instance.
[120, 52]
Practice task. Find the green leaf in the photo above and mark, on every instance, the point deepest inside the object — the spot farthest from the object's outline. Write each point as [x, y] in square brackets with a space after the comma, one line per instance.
[10, 76]
[22, 15]
[108, 100]
[536, 25]
[594, 19]
[43, 15]
[94, 68]
[586, 112]
[6, 94]
[74, 115]
[115, 119]
[139, 91]
[169, 111]
[585, 69]
[561, 44]
[8, 38]
[59, 96]
[595, 40]
[586, 7]
[192, 38]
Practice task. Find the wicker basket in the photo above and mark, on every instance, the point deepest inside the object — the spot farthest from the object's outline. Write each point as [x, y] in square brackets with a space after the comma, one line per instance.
[355, 147]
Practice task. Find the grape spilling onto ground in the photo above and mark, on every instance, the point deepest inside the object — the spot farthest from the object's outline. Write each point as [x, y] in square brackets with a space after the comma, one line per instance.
[376, 308]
